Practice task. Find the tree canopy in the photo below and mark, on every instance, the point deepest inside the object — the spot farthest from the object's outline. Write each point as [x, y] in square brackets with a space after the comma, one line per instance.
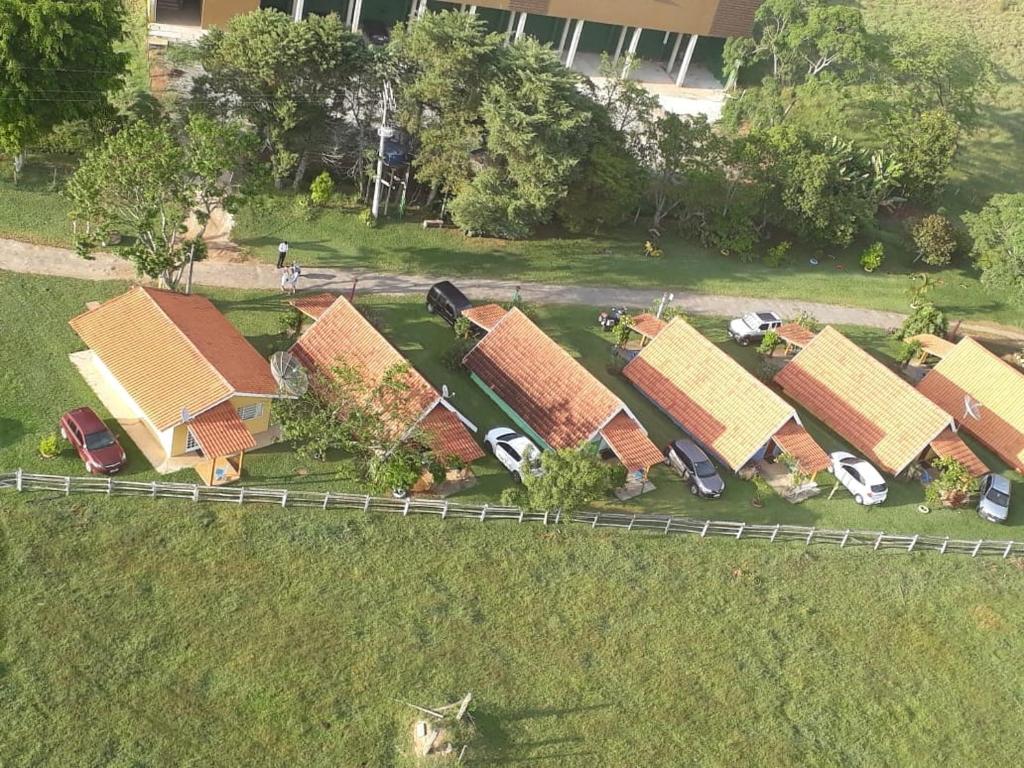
[58, 62]
[998, 232]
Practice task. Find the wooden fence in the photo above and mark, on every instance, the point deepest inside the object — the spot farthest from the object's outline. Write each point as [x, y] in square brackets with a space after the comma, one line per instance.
[659, 524]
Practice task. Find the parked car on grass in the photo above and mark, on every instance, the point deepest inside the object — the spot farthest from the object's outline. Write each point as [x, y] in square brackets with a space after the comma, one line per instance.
[96, 445]
[858, 477]
[447, 301]
[753, 326]
[994, 504]
[514, 452]
[687, 458]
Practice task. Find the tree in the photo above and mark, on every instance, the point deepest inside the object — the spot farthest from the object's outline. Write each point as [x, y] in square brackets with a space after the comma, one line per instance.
[924, 145]
[998, 232]
[446, 62]
[926, 318]
[570, 479]
[58, 62]
[289, 80]
[145, 182]
[935, 239]
[935, 66]
[374, 424]
[953, 485]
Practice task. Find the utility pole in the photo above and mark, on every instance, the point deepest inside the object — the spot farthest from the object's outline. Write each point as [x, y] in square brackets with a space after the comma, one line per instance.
[385, 132]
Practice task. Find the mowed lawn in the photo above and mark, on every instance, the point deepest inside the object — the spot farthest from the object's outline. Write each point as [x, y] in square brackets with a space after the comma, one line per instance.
[39, 383]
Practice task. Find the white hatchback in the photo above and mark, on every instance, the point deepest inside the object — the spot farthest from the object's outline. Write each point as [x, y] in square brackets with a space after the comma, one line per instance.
[858, 477]
[514, 451]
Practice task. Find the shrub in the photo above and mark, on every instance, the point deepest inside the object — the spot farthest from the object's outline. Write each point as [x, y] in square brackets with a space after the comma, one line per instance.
[49, 446]
[652, 250]
[302, 208]
[908, 351]
[622, 330]
[778, 255]
[872, 257]
[368, 219]
[462, 327]
[451, 358]
[953, 485]
[768, 344]
[927, 318]
[290, 323]
[935, 239]
[321, 190]
[805, 319]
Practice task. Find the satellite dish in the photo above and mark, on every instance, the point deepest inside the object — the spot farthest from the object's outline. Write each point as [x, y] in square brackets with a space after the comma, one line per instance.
[186, 417]
[445, 393]
[972, 409]
[291, 377]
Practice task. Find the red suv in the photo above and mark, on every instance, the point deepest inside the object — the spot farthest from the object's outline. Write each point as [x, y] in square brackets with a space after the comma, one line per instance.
[96, 444]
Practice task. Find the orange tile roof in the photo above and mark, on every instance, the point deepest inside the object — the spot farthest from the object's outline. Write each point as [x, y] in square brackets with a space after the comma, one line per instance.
[970, 370]
[950, 445]
[708, 393]
[631, 444]
[798, 443]
[315, 305]
[795, 334]
[220, 432]
[932, 344]
[449, 436]
[171, 351]
[860, 399]
[342, 336]
[486, 315]
[559, 398]
[647, 325]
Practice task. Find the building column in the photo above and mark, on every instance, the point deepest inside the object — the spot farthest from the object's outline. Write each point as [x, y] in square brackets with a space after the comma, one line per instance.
[422, 9]
[521, 27]
[349, 8]
[686, 59]
[618, 46]
[511, 26]
[565, 36]
[472, 10]
[357, 11]
[675, 52]
[576, 33]
[633, 43]
[297, 8]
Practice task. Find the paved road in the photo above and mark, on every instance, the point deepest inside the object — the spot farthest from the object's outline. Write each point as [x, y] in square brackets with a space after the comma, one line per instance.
[16, 256]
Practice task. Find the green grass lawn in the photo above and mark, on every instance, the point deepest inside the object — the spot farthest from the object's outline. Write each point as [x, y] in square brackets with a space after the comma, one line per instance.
[38, 383]
[164, 633]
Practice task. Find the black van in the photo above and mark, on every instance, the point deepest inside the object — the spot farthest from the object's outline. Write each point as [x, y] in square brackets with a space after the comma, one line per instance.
[446, 300]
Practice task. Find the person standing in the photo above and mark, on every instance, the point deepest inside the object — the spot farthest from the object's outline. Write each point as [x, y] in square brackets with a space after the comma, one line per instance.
[282, 254]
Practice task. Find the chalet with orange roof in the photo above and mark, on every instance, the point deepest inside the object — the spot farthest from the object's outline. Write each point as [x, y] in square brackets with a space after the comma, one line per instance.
[718, 402]
[340, 335]
[870, 406]
[183, 382]
[983, 394]
[556, 401]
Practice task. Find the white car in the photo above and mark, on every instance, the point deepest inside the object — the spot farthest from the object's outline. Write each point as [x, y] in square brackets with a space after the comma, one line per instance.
[514, 451]
[861, 479]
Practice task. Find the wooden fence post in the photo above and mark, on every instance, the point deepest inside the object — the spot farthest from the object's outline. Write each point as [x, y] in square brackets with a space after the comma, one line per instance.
[67, 485]
[775, 532]
[913, 542]
[739, 531]
[631, 521]
[976, 548]
[483, 513]
[110, 484]
[704, 530]
[195, 492]
[284, 498]
[366, 505]
[327, 498]
[408, 501]
[1009, 548]
[945, 543]
[846, 536]
[18, 480]
[878, 541]
[152, 489]
[241, 494]
[810, 535]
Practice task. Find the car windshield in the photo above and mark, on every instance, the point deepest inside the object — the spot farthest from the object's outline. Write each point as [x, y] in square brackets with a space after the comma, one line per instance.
[512, 452]
[98, 440]
[507, 436]
[998, 497]
[752, 320]
[880, 488]
[704, 469]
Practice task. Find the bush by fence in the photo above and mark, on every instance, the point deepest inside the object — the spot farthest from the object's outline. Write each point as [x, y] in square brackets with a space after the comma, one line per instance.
[659, 524]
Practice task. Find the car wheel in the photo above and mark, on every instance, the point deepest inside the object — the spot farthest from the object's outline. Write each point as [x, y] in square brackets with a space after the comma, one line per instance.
[430, 308]
[744, 341]
[694, 489]
[518, 476]
[859, 499]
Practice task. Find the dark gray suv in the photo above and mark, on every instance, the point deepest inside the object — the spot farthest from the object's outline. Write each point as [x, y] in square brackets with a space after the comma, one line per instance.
[686, 458]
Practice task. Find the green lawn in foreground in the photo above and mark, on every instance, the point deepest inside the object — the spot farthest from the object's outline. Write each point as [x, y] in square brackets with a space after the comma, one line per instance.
[37, 383]
[168, 634]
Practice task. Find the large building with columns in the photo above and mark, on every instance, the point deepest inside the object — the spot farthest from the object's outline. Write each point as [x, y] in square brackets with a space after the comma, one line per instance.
[673, 41]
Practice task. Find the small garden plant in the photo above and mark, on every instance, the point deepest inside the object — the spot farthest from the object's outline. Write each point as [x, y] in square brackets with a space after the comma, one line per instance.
[321, 190]
[953, 485]
[768, 344]
[872, 257]
[49, 446]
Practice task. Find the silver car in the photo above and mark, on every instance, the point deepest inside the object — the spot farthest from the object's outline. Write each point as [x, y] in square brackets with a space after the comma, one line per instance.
[994, 504]
[686, 458]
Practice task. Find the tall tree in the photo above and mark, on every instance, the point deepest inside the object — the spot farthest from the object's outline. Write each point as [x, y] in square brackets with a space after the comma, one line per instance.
[445, 62]
[288, 79]
[58, 62]
[569, 480]
[145, 182]
[998, 232]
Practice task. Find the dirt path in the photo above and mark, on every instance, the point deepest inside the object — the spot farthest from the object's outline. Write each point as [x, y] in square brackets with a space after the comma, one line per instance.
[229, 272]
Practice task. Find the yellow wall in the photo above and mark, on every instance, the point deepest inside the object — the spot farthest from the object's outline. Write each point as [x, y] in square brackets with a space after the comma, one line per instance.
[217, 12]
[262, 424]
